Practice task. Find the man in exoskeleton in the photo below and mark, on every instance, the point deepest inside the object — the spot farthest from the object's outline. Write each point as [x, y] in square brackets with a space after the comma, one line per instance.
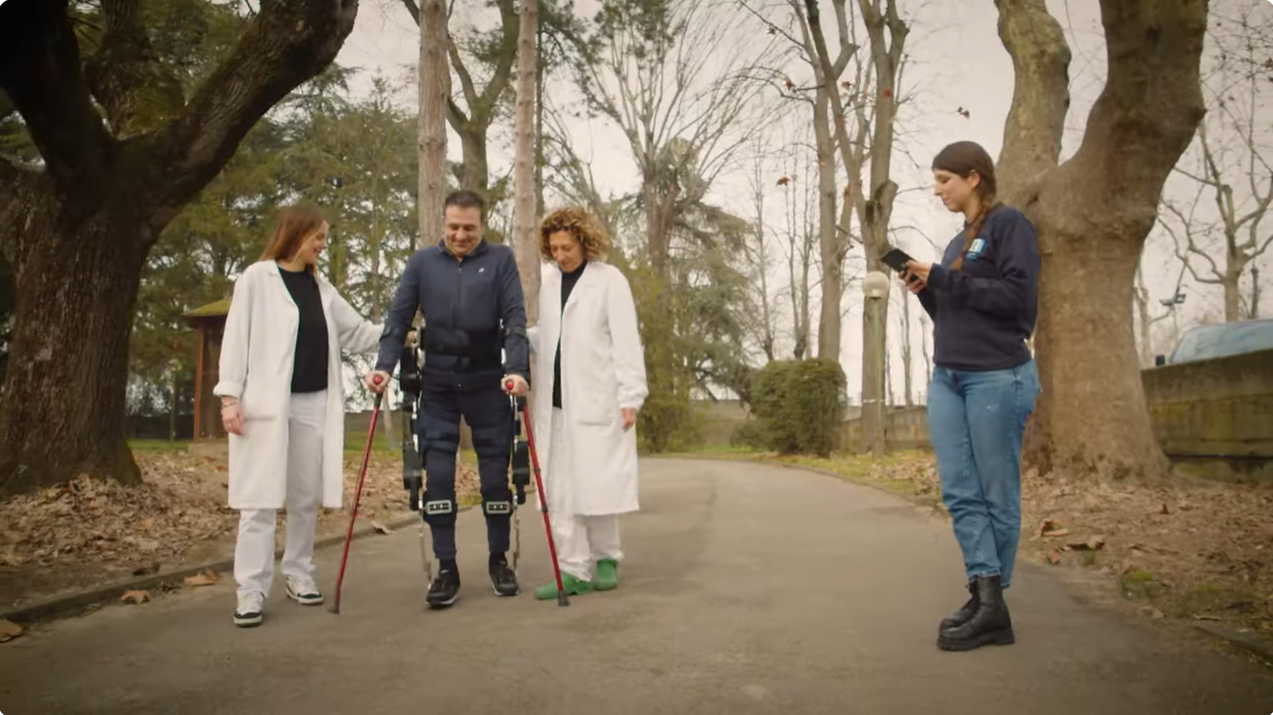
[473, 335]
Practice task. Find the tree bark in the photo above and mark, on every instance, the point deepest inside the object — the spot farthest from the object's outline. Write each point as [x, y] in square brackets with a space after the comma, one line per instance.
[473, 125]
[77, 232]
[1093, 213]
[524, 234]
[435, 81]
[832, 253]
[906, 348]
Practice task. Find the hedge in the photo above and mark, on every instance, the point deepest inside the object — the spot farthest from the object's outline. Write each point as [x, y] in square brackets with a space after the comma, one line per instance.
[798, 406]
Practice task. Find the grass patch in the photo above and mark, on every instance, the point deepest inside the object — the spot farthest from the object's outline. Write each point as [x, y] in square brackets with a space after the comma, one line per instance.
[908, 473]
[1140, 584]
[153, 446]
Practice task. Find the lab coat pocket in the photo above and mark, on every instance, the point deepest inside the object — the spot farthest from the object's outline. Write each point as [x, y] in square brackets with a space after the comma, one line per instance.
[598, 407]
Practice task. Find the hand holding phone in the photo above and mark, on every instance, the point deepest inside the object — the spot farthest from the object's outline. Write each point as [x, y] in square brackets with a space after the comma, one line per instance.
[896, 259]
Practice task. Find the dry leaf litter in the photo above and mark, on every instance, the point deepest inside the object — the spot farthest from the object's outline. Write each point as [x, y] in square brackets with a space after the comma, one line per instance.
[1185, 549]
[89, 532]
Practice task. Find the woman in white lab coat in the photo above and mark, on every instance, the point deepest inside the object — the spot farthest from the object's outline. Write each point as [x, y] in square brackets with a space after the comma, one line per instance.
[589, 383]
[282, 405]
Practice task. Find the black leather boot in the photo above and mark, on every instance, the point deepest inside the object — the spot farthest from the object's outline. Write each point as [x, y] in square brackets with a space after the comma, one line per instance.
[960, 617]
[990, 622]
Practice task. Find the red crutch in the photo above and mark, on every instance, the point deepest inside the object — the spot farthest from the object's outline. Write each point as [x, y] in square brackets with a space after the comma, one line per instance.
[362, 474]
[543, 501]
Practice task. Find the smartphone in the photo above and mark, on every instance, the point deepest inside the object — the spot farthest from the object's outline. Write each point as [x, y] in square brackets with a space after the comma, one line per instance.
[896, 259]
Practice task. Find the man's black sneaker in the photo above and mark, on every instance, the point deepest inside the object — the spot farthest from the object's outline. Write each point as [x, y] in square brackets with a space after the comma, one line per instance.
[503, 578]
[445, 588]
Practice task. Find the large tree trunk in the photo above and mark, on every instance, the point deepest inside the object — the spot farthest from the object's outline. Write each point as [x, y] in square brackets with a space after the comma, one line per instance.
[435, 81]
[1093, 214]
[523, 163]
[63, 396]
[78, 231]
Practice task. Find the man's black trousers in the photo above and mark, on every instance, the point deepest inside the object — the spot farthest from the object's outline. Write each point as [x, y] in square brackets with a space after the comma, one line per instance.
[488, 412]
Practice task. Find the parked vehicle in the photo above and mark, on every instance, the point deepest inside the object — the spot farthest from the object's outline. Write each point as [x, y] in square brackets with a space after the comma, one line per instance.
[1219, 340]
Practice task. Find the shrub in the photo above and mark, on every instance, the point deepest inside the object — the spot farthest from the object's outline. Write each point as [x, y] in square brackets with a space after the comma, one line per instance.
[798, 405]
[749, 434]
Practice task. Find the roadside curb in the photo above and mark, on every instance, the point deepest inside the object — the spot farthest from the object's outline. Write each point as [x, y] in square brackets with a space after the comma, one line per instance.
[1258, 647]
[71, 604]
[912, 498]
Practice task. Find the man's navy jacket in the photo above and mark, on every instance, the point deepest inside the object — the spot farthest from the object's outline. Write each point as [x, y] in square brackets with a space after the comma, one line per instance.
[472, 308]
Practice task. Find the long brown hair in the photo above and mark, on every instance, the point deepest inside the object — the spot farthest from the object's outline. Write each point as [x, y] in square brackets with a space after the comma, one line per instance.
[963, 158]
[293, 225]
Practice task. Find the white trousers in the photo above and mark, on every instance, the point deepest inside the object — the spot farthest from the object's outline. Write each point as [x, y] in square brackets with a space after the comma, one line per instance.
[580, 540]
[254, 551]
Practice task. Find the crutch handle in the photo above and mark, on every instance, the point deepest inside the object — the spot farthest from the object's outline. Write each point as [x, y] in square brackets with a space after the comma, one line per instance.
[508, 387]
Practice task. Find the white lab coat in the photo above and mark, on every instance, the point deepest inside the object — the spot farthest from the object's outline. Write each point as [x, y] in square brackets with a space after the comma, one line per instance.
[603, 370]
[256, 367]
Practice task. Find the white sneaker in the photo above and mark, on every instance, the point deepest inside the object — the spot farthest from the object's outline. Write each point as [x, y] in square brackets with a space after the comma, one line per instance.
[303, 590]
[250, 611]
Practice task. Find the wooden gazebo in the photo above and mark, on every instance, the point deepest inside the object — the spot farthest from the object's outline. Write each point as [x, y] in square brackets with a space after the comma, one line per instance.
[209, 322]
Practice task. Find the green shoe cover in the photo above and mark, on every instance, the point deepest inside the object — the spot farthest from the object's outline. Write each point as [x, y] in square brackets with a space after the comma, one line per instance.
[607, 577]
[571, 585]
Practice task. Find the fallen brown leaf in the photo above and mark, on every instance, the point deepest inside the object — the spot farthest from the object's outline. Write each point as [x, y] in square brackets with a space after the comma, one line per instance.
[9, 630]
[380, 527]
[135, 596]
[207, 578]
[1054, 557]
[1056, 533]
[1046, 526]
[1093, 544]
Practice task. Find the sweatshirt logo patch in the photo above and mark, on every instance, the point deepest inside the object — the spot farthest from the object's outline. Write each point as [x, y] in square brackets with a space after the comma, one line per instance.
[978, 245]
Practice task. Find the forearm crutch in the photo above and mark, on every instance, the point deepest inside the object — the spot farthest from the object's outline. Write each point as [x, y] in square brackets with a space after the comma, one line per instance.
[543, 500]
[362, 475]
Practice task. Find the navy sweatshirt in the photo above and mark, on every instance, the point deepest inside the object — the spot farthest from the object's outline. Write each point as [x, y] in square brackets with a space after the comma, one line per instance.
[984, 312]
[471, 306]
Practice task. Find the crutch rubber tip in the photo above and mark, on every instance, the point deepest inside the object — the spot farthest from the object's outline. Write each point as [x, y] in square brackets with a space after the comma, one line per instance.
[562, 600]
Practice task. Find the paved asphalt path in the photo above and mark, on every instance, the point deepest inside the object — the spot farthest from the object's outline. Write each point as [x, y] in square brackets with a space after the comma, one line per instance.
[747, 589]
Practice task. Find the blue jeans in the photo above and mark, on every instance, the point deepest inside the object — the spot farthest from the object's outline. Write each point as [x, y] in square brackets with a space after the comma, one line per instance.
[975, 422]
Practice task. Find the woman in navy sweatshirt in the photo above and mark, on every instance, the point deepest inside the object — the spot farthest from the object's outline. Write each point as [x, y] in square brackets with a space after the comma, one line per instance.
[982, 297]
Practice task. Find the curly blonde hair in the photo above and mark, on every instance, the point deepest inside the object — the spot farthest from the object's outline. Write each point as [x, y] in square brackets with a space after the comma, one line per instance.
[580, 223]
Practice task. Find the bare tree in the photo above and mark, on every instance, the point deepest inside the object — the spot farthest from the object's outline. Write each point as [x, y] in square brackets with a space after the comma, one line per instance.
[1093, 212]
[524, 183]
[801, 239]
[1232, 164]
[906, 346]
[676, 79]
[758, 253]
[435, 82]
[472, 122]
[1144, 317]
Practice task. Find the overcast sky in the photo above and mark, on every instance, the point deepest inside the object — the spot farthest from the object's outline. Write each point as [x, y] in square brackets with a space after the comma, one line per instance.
[955, 60]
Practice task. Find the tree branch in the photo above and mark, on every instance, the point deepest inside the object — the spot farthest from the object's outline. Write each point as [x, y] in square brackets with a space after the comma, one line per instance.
[1149, 109]
[466, 80]
[503, 72]
[136, 90]
[289, 42]
[38, 52]
[1040, 98]
[414, 10]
